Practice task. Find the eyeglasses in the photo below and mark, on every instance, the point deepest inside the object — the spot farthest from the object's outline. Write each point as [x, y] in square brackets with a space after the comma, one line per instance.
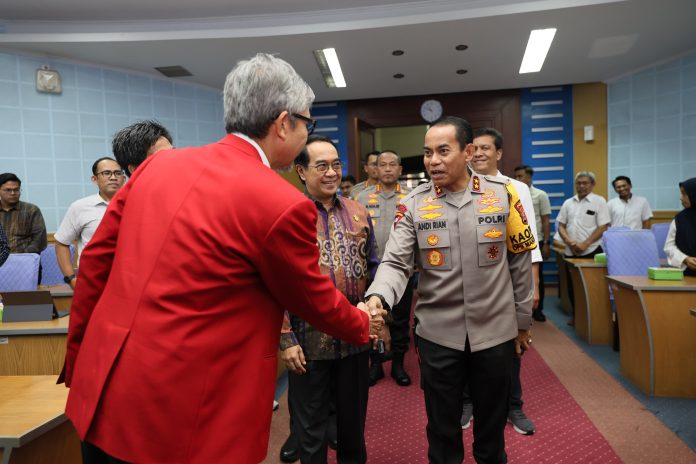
[323, 167]
[309, 122]
[108, 174]
[12, 191]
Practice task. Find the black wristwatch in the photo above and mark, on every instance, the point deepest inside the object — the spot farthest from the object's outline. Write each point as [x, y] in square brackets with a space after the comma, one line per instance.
[68, 279]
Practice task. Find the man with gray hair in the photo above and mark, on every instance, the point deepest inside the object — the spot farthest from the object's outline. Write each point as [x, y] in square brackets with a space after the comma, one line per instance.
[173, 341]
[581, 222]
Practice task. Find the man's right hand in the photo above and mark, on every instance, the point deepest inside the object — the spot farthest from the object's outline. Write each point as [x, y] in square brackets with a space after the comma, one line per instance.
[376, 313]
[294, 360]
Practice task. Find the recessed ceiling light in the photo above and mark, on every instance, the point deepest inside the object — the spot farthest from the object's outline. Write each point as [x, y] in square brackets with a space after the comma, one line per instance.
[461, 47]
[330, 68]
[537, 48]
[398, 52]
[462, 71]
[398, 76]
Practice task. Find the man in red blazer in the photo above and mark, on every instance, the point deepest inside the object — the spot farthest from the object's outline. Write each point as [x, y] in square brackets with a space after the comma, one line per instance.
[175, 319]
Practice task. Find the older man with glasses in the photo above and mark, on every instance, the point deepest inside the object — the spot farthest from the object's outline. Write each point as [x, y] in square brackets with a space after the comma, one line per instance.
[174, 326]
[325, 370]
[22, 221]
[84, 215]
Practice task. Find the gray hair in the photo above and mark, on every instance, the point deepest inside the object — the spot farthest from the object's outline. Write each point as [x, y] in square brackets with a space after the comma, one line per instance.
[258, 90]
[589, 174]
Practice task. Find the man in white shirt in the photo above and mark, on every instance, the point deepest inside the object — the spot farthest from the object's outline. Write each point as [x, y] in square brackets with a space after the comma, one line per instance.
[488, 145]
[581, 222]
[542, 211]
[84, 215]
[628, 210]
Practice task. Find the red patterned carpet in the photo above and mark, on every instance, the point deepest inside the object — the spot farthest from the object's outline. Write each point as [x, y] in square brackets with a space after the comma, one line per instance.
[396, 422]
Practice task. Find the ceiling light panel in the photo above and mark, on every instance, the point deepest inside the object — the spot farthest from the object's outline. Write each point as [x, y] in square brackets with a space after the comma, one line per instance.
[537, 48]
[330, 67]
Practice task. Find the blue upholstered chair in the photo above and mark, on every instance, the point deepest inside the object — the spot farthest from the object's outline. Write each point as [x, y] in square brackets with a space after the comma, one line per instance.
[629, 253]
[50, 270]
[660, 231]
[20, 272]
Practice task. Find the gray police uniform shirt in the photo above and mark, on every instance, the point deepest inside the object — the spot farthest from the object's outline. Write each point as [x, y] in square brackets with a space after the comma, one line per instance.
[381, 205]
[470, 285]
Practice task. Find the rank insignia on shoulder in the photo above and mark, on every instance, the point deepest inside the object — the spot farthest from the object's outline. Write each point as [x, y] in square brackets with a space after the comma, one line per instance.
[433, 240]
[438, 190]
[476, 184]
[431, 216]
[493, 233]
[435, 258]
[493, 252]
[490, 209]
[430, 207]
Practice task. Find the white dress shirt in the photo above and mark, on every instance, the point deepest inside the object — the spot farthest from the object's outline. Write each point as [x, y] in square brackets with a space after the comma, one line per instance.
[675, 257]
[582, 217]
[629, 213]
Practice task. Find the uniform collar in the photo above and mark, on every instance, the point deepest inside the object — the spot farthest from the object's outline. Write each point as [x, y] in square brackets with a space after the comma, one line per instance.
[378, 188]
[337, 200]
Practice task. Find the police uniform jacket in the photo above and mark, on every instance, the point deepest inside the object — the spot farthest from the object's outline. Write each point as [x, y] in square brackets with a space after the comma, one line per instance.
[476, 278]
[381, 205]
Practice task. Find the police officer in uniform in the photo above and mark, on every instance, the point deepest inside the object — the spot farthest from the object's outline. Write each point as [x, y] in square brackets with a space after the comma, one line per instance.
[381, 201]
[470, 238]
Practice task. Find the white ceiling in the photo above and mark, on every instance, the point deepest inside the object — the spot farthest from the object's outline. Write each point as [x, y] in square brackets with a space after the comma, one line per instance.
[596, 40]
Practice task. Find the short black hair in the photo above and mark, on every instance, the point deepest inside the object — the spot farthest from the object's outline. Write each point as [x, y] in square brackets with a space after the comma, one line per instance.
[462, 128]
[349, 178]
[526, 168]
[618, 178]
[367, 156]
[497, 136]
[96, 163]
[303, 158]
[131, 144]
[9, 177]
[393, 152]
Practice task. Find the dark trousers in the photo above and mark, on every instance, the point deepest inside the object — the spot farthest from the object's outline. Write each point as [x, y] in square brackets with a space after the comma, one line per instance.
[444, 373]
[540, 307]
[310, 395]
[93, 455]
[571, 292]
[515, 383]
[401, 312]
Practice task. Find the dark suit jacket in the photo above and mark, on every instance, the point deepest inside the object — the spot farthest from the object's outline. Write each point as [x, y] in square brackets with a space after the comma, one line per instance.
[174, 327]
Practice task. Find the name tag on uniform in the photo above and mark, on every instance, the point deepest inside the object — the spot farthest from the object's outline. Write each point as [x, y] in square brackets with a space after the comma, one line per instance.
[431, 225]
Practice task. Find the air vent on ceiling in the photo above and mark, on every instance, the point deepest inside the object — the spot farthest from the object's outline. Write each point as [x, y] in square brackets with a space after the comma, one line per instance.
[174, 71]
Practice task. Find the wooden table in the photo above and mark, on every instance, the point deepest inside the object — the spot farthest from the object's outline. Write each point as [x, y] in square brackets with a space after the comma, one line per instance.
[33, 428]
[592, 305]
[563, 294]
[658, 334]
[33, 348]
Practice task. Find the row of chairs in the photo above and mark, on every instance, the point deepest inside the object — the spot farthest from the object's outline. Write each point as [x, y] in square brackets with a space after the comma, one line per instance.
[21, 270]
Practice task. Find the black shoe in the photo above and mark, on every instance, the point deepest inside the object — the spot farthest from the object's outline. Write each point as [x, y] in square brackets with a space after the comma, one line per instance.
[538, 315]
[376, 372]
[290, 451]
[397, 371]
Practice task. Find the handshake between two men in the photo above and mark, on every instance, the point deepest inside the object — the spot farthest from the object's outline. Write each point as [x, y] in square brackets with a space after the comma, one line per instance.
[294, 359]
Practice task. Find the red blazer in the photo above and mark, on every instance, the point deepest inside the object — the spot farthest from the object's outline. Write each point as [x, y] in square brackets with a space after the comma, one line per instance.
[174, 326]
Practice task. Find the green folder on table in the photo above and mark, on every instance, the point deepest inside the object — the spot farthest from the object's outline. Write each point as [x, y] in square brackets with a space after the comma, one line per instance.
[665, 273]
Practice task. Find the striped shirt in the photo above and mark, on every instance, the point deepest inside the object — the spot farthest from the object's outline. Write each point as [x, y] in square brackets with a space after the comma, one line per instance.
[25, 228]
